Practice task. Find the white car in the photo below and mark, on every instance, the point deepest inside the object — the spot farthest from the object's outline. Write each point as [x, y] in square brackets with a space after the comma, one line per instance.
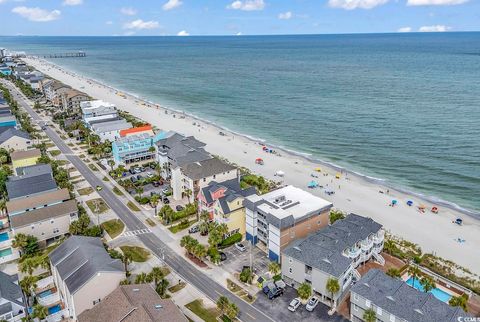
[240, 247]
[294, 304]
[150, 175]
[312, 303]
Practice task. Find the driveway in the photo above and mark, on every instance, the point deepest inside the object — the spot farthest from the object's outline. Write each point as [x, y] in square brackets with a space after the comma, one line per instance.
[237, 259]
[277, 309]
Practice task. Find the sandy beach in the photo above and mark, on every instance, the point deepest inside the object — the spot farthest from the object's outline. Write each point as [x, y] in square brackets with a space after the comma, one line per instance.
[433, 232]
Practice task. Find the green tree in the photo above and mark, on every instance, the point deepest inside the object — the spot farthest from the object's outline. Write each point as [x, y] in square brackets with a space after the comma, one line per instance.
[459, 301]
[154, 202]
[125, 282]
[28, 284]
[215, 237]
[162, 287]
[139, 191]
[336, 215]
[40, 312]
[274, 268]
[31, 246]
[20, 241]
[393, 272]
[428, 283]
[369, 315]
[414, 272]
[232, 311]
[246, 276]
[111, 163]
[304, 291]
[126, 259]
[156, 275]
[333, 288]
[141, 278]
[222, 304]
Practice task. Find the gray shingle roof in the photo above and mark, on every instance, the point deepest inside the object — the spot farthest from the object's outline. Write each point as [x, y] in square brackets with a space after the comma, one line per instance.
[11, 132]
[181, 149]
[206, 168]
[80, 258]
[8, 289]
[398, 298]
[34, 216]
[30, 184]
[34, 170]
[233, 191]
[323, 250]
[109, 126]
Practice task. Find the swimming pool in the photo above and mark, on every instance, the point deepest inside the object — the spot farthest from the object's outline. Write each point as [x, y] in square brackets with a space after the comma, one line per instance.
[438, 293]
[5, 252]
[54, 309]
[4, 237]
[45, 293]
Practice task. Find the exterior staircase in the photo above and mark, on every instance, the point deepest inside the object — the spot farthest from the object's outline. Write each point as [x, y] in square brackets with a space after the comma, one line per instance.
[356, 274]
[379, 258]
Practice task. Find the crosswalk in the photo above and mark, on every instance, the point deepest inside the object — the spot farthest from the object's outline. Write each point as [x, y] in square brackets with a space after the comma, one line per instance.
[137, 232]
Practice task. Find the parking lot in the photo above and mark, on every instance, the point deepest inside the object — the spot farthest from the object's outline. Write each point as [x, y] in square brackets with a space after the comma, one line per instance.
[278, 309]
[237, 259]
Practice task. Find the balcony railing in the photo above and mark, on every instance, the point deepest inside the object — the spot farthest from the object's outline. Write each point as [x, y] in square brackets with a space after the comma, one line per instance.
[57, 317]
[352, 253]
[378, 239]
[366, 245]
[44, 284]
[5, 259]
[49, 300]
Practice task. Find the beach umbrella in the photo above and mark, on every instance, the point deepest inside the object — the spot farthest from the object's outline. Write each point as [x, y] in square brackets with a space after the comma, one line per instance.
[394, 202]
[312, 184]
[410, 203]
[318, 169]
[337, 176]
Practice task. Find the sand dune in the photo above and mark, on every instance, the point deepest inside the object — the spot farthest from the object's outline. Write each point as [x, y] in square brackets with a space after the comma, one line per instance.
[433, 232]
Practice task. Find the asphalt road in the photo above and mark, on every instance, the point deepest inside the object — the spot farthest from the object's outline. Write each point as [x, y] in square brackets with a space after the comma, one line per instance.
[184, 268]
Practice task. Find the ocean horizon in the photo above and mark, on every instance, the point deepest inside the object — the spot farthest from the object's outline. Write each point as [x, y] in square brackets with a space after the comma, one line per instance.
[400, 109]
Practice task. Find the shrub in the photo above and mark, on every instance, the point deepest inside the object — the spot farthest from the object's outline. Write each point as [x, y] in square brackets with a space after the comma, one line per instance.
[235, 238]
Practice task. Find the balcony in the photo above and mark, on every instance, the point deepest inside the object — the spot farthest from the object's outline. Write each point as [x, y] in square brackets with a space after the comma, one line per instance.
[353, 252]
[57, 317]
[8, 257]
[379, 237]
[44, 284]
[367, 245]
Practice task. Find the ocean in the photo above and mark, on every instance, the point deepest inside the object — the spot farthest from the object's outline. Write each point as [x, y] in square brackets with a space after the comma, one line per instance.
[403, 109]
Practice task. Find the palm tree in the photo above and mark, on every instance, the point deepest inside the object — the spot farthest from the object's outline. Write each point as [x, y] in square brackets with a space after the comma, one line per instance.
[139, 191]
[222, 304]
[428, 283]
[141, 278]
[154, 202]
[414, 271]
[156, 275]
[274, 268]
[460, 301]
[389, 246]
[304, 291]
[28, 284]
[232, 311]
[200, 251]
[187, 193]
[20, 241]
[203, 227]
[39, 312]
[369, 315]
[393, 272]
[111, 163]
[162, 287]
[333, 287]
[126, 259]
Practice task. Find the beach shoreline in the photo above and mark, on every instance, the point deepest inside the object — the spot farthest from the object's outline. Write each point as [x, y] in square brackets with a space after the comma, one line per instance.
[355, 193]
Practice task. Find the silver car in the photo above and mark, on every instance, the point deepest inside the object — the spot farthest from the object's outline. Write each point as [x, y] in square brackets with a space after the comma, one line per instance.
[312, 303]
[294, 304]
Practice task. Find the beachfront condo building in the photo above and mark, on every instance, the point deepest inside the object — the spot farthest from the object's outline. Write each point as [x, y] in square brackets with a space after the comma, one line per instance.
[393, 300]
[110, 130]
[224, 203]
[176, 150]
[98, 110]
[188, 179]
[334, 252]
[53, 90]
[277, 218]
[70, 100]
[83, 273]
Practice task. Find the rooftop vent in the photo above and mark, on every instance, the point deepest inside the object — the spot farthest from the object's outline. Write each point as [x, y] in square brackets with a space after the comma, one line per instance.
[297, 248]
[418, 311]
[279, 199]
[390, 298]
[326, 260]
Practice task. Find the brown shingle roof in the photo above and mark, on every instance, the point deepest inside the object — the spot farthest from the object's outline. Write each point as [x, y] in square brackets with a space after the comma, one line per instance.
[31, 202]
[73, 92]
[20, 155]
[133, 303]
[43, 214]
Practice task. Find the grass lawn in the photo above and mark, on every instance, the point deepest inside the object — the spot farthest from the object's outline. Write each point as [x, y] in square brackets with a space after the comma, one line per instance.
[85, 191]
[132, 206]
[176, 288]
[137, 254]
[92, 167]
[208, 315]
[78, 181]
[113, 227]
[54, 153]
[105, 178]
[81, 156]
[117, 191]
[49, 145]
[181, 226]
[63, 162]
[70, 144]
[102, 206]
[63, 137]
[72, 169]
[150, 222]
[165, 270]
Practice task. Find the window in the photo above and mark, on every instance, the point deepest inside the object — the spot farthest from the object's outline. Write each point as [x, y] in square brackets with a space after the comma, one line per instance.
[56, 231]
[367, 303]
[204, 179]
[355, 307]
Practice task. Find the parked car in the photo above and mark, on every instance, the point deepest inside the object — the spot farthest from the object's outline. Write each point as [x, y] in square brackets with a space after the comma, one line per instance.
[139, 177]
[131, 170]
[294, 304]
[280, 284]
[137, 170]
[156, 184]
[166, 201]
[133, 179]
[166, 191]
[240, 247]
[223, 256]
[275, 292]
[150, 175]
[312, 303]
[153, 166]
[142, 169]
[194, 229]
[179, 208]
[268, 285]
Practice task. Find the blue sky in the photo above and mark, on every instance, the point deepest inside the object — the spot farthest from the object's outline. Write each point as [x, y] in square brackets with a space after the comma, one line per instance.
[231, 17]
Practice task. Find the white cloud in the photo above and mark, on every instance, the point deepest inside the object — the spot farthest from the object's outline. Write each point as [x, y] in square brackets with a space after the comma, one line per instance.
[37, 14]
[238, 33]
[404, 29]
[128, 11]
[285, 15]
[247, 5]
[109, 22]
[434, 28]
[183, 33]
[435, 2]
[72, 2]
[139, 24]
[172, 4]
[355, 4]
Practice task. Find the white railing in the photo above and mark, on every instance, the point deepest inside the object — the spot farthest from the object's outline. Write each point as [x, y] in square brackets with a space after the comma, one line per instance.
[379, 258]
[353, 253]
[356, 274]
[6, 243]
[367, 244]
[347, 283]
[5, 259]
[57, 317]
[49, 299]
[45, 283]
[18, 317]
